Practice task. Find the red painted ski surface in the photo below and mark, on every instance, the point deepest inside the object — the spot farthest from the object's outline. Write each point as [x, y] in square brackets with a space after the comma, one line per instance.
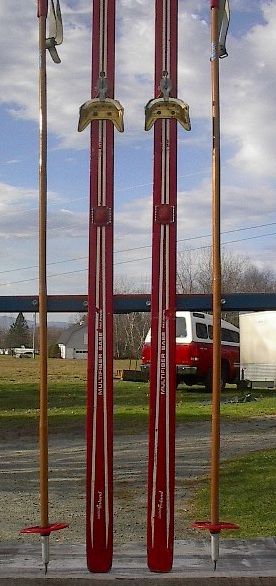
[160, 521]
[99, 480]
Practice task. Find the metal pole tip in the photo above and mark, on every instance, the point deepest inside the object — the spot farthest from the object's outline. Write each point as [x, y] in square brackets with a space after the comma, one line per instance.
[215, 566]
[46, 568]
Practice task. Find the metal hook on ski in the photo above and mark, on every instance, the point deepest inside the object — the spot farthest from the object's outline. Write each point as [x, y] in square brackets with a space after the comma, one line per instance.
[102, 108]
[55, 30]
[167, 107]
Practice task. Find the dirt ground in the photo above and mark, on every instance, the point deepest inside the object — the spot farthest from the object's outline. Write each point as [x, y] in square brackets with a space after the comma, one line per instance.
[19, 478]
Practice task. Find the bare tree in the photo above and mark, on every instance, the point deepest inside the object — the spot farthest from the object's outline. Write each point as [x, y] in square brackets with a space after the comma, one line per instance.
[239, 275]
[3, 336]
[130, 329]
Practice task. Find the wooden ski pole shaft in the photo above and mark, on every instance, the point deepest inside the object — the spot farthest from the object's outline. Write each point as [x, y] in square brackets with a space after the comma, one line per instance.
[216, 281]
[44, 529]
[214, 525]
[43, 420]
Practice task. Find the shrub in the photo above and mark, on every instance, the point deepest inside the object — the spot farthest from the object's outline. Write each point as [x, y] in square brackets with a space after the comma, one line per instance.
[54, 351]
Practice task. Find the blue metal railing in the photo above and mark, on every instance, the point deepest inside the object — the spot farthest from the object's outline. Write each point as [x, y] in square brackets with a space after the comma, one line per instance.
[139, 302]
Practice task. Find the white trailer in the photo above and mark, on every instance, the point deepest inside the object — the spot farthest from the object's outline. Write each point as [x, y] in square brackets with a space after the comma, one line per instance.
[258, 348]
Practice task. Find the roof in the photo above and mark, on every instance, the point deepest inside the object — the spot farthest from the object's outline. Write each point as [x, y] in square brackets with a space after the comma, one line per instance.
[66, 334]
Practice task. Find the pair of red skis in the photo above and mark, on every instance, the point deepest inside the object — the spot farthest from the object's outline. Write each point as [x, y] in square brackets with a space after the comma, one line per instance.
[104, 112]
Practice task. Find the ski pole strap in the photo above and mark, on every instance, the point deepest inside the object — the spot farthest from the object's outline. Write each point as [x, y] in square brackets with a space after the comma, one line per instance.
[214, 3]
[42, 8]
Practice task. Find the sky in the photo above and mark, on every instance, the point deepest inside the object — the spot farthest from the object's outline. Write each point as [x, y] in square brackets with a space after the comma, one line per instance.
[248, 141]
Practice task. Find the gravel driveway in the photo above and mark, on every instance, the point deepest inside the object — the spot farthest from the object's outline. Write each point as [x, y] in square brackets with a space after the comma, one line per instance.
[19, 478]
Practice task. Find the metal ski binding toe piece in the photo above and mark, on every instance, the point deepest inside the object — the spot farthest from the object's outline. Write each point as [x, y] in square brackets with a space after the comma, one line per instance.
[102, 108]
[166, 107]
[55, 30]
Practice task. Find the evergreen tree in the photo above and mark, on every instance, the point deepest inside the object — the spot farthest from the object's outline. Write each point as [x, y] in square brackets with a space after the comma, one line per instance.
[19, 333]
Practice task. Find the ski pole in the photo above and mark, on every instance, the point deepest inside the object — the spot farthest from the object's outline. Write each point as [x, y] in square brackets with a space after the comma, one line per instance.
[55, 31]
[219, 26]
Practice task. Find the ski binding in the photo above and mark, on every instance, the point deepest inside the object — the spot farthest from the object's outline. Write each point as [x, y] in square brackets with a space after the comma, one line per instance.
[167, 108]
[97, 109]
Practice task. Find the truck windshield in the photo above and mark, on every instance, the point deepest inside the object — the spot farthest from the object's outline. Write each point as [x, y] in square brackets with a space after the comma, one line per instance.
[181, 328]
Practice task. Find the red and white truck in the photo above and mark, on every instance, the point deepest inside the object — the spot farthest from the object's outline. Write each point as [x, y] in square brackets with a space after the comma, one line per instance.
[194, 347]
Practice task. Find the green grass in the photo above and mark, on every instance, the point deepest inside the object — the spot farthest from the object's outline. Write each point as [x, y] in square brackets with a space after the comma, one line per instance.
[197, 404]
[19, 398]
[247, 489]
[247, 495]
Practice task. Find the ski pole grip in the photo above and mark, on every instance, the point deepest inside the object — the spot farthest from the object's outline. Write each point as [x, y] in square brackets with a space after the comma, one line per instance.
[42, 8]
[214, 4]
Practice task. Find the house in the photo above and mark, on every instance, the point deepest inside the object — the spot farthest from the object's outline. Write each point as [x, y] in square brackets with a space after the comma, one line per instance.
[73, 342]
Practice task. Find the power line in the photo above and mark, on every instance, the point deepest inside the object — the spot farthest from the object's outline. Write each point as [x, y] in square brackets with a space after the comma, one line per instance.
[56, 262]
[138, 259]
[86, 197]
[202, 236]
[143, 247]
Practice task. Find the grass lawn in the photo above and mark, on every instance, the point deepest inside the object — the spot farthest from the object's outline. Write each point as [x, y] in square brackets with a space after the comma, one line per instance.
[19, 398]
[247, 495]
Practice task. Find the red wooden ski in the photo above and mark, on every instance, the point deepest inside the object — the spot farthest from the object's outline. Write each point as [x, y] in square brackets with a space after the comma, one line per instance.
[104, 112]
[163, 111]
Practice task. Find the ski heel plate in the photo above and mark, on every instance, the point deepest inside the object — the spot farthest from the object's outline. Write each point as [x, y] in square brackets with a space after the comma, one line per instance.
[96, 109]
[167, 108]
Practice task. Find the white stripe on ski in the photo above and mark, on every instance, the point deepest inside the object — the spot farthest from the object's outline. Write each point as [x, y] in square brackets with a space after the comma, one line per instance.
[105, 403]
[168, 512]
[100, 166]
[100, 265]
[105, 33]
[168, 48]
[95, 390]
[158, 389]
[166, 36]
[159, 340]
[104, 143]
[103, 36]
[104, 341]
[167, 305]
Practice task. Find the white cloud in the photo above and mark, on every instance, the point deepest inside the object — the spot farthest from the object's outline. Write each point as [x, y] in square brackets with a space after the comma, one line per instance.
[15, 198]
[19, 215]
[67, 235]
[247, 77]
[249, 109]
[248, 128]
